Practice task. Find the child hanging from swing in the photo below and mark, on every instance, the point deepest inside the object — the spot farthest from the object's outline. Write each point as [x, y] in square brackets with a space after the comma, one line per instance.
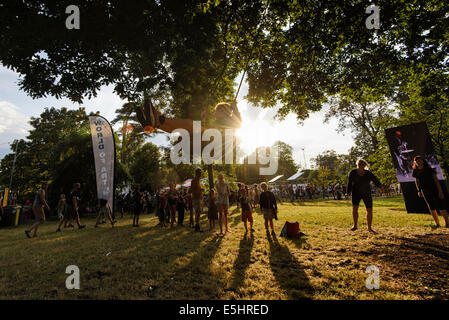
[225, 116]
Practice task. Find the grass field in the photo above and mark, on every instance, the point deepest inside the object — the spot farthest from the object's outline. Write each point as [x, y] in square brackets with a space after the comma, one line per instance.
[155, 263]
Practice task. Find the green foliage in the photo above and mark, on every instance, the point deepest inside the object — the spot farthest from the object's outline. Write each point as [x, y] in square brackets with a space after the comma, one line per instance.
[145, 167]
[298, 53]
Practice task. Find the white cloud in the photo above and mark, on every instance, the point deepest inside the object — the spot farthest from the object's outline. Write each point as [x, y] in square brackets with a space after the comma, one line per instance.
[13, 124]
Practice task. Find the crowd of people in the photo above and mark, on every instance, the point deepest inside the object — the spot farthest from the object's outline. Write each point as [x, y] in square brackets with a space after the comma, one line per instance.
[173, 207]
[336, 191]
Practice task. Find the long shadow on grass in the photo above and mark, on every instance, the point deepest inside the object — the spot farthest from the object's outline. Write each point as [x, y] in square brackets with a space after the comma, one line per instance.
[288, 271]
[242, 262]
[422, 259]
[194, 280]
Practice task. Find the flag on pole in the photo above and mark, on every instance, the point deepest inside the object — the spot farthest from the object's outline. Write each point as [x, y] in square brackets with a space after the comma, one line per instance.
[104, 156]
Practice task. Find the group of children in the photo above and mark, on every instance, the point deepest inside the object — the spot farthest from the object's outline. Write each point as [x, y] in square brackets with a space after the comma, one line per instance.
[248, 199]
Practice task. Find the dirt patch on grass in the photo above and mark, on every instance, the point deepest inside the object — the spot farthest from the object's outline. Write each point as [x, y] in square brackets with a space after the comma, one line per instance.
[421, 262]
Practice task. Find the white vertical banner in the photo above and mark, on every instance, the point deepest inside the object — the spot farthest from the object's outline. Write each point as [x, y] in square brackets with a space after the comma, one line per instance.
[104, 155]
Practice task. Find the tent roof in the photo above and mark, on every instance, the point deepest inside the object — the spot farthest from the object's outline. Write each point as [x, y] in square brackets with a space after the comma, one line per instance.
[295, 176]
[276, 178]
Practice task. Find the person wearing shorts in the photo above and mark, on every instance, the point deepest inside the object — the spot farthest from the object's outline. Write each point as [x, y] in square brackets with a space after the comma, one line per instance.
[430, 189]
[223, 203]
[38, 209]
[268, 207]
[359, 185]
[247, 214]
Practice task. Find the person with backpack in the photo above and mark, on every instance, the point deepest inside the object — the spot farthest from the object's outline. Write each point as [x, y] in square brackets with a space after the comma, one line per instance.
[39, 205]
[268, 207]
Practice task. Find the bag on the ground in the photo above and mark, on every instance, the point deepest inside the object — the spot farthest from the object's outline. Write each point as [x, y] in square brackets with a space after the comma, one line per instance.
[291, 230]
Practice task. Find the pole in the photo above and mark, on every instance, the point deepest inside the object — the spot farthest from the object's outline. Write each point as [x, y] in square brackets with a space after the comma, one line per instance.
[304, 154]
[13, 164]
[210, 172]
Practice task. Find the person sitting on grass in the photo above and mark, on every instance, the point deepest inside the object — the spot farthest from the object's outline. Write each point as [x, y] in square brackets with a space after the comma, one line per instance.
[247, 214]
[105, 211]
[268, 207]
[226, 116]
[212, 209]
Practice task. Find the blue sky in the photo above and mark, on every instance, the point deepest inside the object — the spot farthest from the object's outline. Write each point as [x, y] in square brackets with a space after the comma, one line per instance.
[313, 135]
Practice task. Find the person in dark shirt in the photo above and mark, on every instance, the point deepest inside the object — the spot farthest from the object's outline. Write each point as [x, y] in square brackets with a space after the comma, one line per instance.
[162, 207]
[359, 186]
[268, 207]
[430, 189]
[172, 201]
[138, 205]
[247, 213]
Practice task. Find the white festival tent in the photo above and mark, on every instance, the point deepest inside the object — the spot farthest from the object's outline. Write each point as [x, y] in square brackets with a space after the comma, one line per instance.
[295, 176]
[276, 178]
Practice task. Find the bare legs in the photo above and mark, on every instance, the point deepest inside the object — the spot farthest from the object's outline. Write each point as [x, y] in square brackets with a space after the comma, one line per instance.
[35, 226]
[251, 225]
[355, 217]
[223, 218]
[212, 224]
[136, 220]
[369, 218]
[172, 124]
[101, 214]
[436, 218]
[269, 221]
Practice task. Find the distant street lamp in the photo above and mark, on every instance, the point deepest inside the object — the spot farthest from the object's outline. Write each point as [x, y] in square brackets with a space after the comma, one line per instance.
[304, 154]
[13, 165]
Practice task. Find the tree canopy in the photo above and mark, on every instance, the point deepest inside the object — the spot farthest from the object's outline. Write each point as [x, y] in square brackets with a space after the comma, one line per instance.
[188, 53]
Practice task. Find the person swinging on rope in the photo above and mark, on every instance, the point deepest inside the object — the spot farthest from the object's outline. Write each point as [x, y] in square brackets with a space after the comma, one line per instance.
[225, 116]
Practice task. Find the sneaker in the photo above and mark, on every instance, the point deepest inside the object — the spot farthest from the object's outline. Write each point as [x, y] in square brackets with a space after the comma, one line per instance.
[82, 226]
[252, 230]
[58, 230]
[27, 233]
